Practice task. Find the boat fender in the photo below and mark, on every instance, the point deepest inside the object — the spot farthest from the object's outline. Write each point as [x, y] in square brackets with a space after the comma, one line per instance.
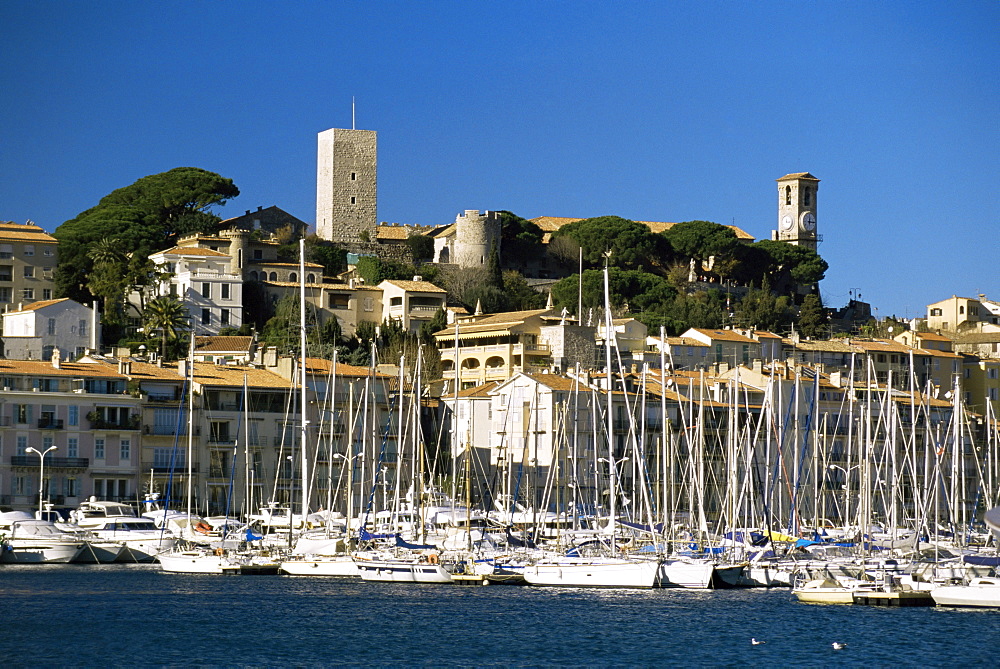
[202, 527]
[219, 552]
[432, 558]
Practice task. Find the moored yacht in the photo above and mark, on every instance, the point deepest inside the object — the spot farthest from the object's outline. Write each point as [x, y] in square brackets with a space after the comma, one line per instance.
[32, 541]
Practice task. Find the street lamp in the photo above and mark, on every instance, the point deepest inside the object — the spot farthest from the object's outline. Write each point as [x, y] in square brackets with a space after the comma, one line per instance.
[41, 474]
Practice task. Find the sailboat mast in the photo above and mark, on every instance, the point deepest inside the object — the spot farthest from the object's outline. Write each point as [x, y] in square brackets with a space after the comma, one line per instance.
[303, 456]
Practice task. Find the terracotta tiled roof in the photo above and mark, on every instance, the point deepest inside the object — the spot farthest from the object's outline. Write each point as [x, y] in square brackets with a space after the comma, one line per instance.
[34, 306]
[798, 175]
[724, 335]
[204, 344]
[24, 233]
[416, 286]
[394, 232]
[324, 367]
[73, 369]
[267, 263]
[193, 251]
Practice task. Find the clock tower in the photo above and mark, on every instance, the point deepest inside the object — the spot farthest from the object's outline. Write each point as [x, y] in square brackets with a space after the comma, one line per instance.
[797, 210]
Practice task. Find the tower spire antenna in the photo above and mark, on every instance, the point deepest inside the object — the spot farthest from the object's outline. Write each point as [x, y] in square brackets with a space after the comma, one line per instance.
[353, 123]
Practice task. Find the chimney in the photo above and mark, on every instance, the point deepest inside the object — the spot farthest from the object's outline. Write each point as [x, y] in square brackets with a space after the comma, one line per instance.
[259, 208]
[124, 366]
[182, 368]
[56, 358]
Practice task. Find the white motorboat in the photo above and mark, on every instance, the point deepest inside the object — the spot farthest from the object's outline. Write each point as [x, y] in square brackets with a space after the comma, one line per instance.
[830, 591]
[594, 572]
[141, 540]
[198, 561]
[29, 540]
[423, 568]
[321, 565]
[980, 592]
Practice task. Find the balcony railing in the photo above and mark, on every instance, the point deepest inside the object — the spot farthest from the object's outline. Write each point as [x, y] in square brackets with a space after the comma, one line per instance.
[160, 468]
[98, 423]
[50, 424]
[61, 462]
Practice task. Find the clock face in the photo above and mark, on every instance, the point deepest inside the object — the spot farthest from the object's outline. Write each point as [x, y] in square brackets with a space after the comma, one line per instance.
[786, 222]
[809, 222]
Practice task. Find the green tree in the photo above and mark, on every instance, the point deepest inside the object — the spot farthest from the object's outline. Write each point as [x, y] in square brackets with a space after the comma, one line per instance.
[789, 266]
[375, 270]
[167, 317]
[145, 217]
[761, 309]
[631, 244]
[421, 247]
[520, 239]
[813, 318]
[326, 253]
[700, 240]
[518, 295]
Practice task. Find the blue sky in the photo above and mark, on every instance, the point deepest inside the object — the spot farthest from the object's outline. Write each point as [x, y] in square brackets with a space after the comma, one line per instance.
[663, 111]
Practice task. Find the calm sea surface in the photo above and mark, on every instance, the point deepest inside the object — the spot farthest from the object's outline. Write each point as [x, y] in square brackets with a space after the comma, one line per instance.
[135, 615]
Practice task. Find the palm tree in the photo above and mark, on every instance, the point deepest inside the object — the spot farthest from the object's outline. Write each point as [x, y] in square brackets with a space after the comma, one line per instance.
[167, 315]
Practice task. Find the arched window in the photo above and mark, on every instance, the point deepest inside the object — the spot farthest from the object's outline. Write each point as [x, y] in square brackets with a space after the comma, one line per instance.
[274, 276]
[805, 196]
[310, 278]
[293, 277]
[788, 195]
[253, 275]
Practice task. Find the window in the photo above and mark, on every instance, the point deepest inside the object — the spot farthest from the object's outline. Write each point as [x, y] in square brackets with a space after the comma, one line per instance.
[52, 326]
[20, 485]
[206, 290]
[163, 458]
[125, 450]
[23, 413]
[225, 291]
[99, 448]
[29, 272]
[788, 195]
[369, 304]
[805, 196]
[71, 487]
[961, 309]
[22, 444]
[28, 293]
[82, 328]
[47, 443]
[206, 316]
[935, 312]
[73, 447]
[29, 249]
[310, 278]
[48, 251]
[395, 301]
[5, 294]
[6, 251]
[46, 293]
[273, 276]
[354, 200]
[6, 273]
[224, 317]
[354, 176]
[292, 276]
[339, 301]
[258, 254]
[73, 416]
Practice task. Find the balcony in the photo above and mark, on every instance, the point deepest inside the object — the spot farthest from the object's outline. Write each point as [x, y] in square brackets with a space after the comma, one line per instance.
[57, 462]
[49, 424]
[98, 422]
[178, 470]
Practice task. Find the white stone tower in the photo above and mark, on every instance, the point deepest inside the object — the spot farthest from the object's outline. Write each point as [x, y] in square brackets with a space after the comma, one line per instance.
[346, 185]
[475, 235]
[797, 210]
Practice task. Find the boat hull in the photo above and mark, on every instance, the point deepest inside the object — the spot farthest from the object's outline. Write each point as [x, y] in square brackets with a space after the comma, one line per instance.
[197, 562]
[342, 566]
[583, 573]
[401, 571]
[980, 593]
[693, 574]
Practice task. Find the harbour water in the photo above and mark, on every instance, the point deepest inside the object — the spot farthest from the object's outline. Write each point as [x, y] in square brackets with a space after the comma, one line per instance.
[137, 616]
